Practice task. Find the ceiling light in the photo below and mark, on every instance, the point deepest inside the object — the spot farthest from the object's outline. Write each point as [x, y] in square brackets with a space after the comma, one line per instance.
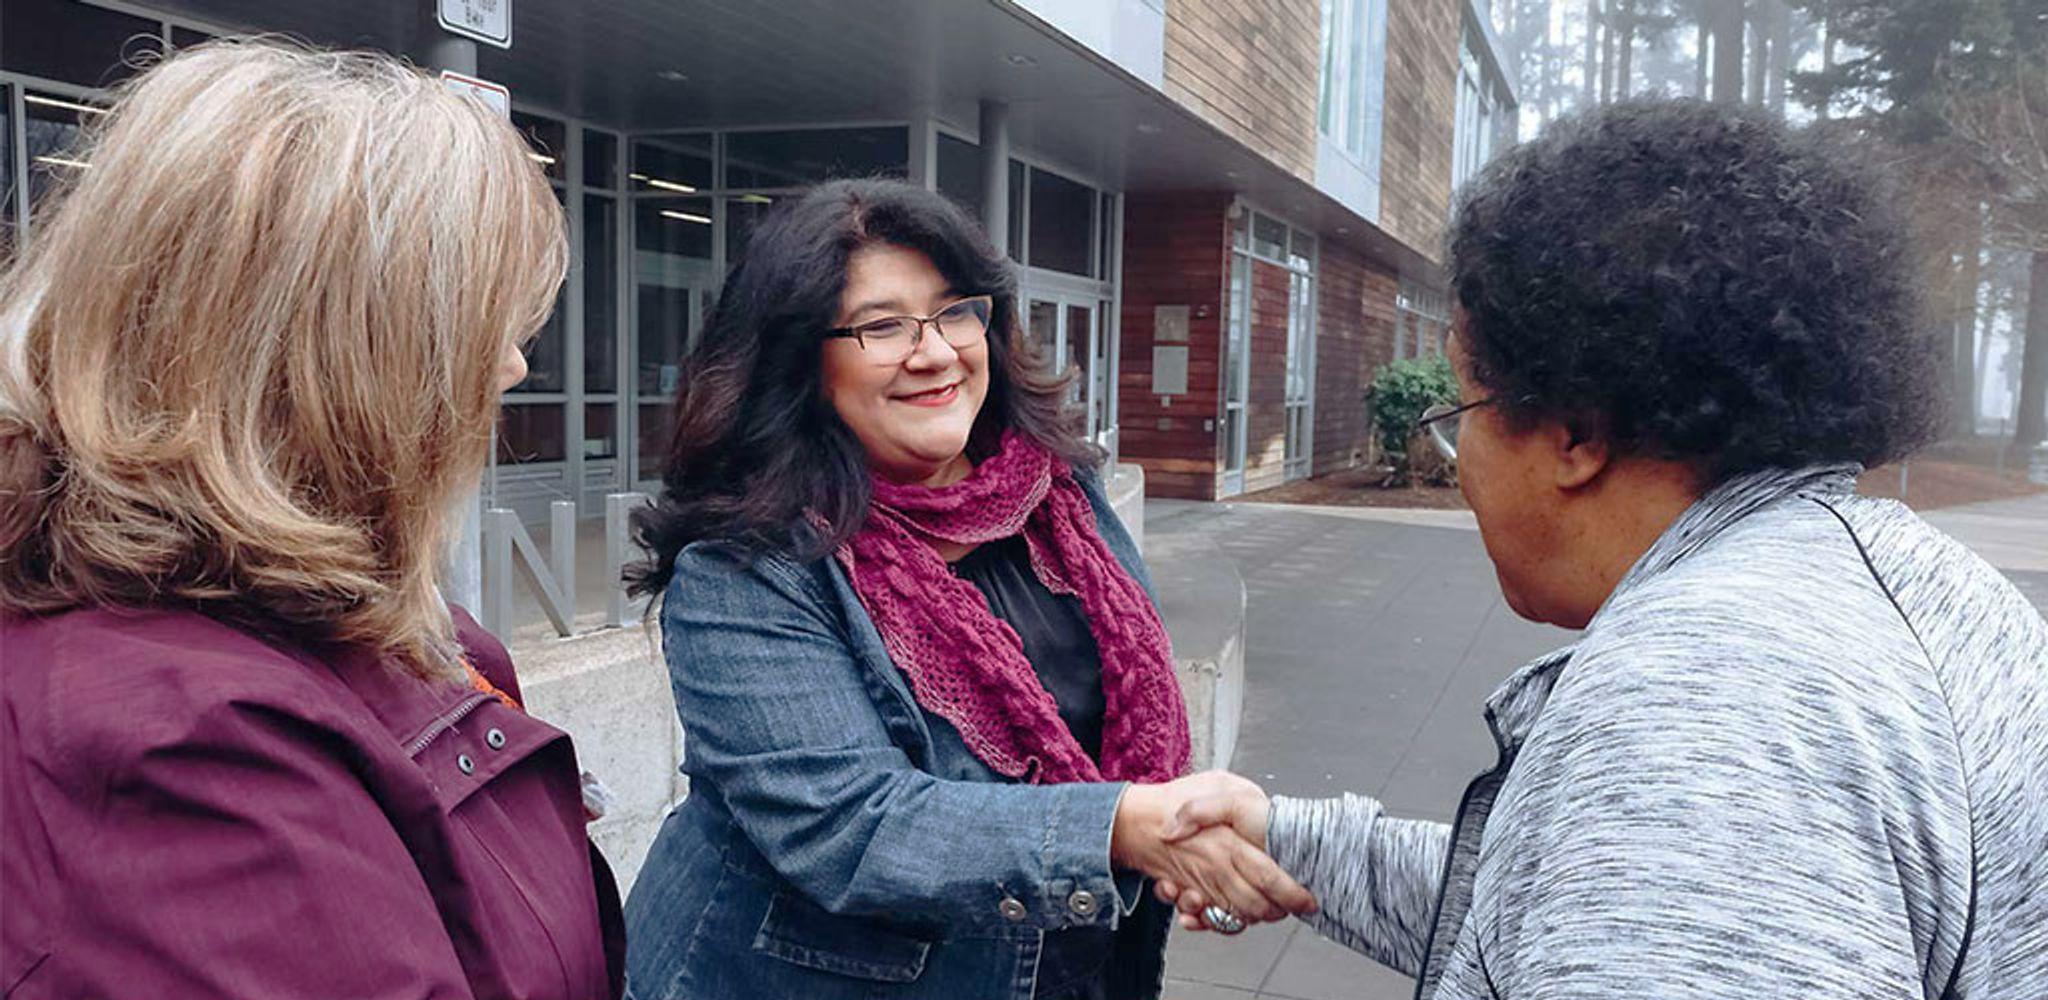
[53, 102]
[674, 76]
[757, 199]
[686, 217]
[59, 161]
[542, 159]
[658, 183]
[1020, 60]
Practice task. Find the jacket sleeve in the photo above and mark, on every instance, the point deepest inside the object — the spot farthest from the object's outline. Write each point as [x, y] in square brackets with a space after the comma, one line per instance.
[781, 717]
[1375, 877]
[232, 852]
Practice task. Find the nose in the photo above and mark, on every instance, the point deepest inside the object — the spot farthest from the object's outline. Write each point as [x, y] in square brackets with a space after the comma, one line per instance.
[932, 353]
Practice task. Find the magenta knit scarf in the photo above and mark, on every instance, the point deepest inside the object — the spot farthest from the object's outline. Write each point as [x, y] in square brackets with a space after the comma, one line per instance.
[967, 666]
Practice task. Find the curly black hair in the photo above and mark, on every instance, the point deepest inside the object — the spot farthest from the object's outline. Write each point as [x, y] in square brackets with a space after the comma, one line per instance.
[1697, 283]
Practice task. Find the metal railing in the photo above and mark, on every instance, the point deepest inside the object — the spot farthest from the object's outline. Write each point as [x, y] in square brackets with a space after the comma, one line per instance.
[508, 550]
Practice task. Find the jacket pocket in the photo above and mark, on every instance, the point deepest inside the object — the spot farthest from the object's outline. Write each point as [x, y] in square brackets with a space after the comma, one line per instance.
[797, 931]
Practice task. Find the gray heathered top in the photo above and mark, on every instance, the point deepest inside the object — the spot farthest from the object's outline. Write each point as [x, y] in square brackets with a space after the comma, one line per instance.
[1802, 751]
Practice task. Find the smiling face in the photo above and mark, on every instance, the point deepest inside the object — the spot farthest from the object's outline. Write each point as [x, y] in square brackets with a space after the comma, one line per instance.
[912, 418]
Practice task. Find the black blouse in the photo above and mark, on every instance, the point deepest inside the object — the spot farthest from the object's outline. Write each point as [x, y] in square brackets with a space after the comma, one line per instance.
[1080, 963]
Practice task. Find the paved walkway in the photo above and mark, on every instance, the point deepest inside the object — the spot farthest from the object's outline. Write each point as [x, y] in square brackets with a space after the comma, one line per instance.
[1373, 638]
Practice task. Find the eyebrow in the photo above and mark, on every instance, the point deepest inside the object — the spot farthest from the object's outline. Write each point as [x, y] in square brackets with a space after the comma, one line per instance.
[895, 307]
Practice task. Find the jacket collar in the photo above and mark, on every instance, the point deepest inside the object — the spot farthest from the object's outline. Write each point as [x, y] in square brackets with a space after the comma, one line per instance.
[1514, 706]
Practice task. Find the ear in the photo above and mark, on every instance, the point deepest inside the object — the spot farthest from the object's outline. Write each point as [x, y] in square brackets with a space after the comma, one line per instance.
[1578, 457]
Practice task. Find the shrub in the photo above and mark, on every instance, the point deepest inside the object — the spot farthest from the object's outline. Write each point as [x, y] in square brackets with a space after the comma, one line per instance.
[1400, 392]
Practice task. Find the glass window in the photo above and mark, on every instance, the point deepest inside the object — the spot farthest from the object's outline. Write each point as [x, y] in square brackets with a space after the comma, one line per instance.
[600, 294]
[550, 141]
[546, 360]
[74, 42]
[1062, 223]
[1269, 237]
[600, 159]
[1301, 254]
[601, 431]
[960, 172]
[1016, 240]
[1353, 74]
[742, 216]
[672, 164]
[792, 159]
[185, 38]
[52, 127]
[675, 226]
[544, 367]
[531, 432]
[1041, 331]
[654, 434]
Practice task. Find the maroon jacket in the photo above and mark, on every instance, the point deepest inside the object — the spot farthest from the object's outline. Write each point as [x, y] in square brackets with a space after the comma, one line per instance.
[187, 810]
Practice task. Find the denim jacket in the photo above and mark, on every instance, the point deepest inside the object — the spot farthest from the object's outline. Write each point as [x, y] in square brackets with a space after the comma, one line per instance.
[837, 842]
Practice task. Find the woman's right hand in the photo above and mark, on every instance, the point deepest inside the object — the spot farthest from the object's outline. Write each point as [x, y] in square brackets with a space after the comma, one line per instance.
[1216, 862]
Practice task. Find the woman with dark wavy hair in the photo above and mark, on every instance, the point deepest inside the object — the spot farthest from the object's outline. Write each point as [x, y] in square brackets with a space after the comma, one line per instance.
[934, 728]
[1801, 747]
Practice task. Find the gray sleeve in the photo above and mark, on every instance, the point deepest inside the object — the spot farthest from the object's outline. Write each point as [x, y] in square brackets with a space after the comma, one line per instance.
[1375, 877]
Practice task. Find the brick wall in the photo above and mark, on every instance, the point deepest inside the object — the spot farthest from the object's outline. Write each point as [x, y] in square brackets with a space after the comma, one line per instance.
[1266, 404]
[1250, 68]
[1176, 252]
[1354, 337]
[1419, 125]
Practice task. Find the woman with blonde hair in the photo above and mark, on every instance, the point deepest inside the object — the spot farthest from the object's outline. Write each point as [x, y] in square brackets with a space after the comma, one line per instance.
[249, 364]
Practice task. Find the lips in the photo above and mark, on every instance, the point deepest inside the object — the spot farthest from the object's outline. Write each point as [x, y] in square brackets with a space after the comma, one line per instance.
[938, 396]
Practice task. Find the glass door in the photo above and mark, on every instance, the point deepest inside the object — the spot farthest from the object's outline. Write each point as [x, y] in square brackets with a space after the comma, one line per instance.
[1236, 374]
[1067, 331]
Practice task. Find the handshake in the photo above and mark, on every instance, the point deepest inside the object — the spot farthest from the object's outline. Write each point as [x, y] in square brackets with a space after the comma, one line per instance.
[1203, 841]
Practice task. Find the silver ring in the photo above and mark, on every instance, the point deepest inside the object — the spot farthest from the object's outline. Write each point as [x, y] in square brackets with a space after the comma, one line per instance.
[1222, 921]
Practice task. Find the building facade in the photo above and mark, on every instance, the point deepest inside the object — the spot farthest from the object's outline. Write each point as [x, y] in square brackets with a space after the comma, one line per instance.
[1271, 178]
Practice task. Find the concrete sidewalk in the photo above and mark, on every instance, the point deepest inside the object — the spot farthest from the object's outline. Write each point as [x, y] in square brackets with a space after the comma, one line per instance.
[1373, 637]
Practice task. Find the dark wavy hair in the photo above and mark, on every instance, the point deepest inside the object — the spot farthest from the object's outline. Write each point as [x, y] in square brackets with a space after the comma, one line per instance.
[755, 447]
[1697, 283]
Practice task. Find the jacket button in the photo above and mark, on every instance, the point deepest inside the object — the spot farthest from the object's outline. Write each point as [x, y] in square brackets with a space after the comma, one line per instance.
[496, 738]
[1013, 911]
[468, 766]
[1083, 903]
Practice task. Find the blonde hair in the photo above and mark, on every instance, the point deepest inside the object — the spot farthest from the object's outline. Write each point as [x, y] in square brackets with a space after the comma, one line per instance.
[249, 361]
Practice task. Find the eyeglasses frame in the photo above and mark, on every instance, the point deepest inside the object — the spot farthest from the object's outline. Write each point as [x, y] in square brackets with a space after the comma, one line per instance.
[917, 339]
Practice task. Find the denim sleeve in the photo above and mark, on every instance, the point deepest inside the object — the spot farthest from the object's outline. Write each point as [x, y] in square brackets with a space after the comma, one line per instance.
[781, 719]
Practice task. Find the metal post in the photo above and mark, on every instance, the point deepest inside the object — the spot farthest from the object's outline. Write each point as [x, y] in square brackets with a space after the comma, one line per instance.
[462, 577]
[995, 173]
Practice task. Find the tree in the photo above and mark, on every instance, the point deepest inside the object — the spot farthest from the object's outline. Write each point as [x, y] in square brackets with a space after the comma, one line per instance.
[1961, 88]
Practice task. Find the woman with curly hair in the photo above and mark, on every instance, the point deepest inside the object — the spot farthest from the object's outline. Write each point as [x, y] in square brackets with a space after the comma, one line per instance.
[1801, 747]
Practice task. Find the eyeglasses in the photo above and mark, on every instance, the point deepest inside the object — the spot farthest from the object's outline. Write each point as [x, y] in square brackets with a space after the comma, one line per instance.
[1442, 424]
[891, 340]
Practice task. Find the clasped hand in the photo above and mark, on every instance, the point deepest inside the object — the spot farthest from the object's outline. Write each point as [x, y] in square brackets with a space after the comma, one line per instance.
[1202, 839]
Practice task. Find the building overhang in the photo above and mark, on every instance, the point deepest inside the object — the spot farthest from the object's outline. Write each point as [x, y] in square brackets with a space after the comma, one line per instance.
[662, 65]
